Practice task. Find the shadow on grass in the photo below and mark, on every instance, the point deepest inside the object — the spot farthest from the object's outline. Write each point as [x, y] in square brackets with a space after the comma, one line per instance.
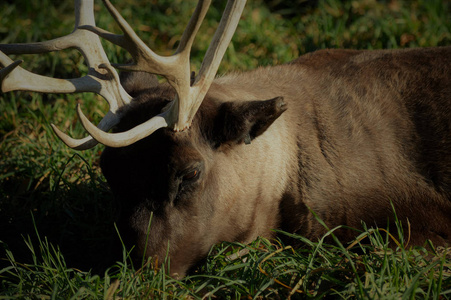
[79, 218]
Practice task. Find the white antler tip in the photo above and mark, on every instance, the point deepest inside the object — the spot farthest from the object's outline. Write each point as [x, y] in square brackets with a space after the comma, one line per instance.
[76, 144]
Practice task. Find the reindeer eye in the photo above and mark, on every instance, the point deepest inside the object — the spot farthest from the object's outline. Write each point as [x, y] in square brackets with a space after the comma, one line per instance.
[191, 175]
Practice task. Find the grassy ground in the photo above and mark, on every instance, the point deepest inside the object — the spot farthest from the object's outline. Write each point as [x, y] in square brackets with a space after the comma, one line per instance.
[57, 214]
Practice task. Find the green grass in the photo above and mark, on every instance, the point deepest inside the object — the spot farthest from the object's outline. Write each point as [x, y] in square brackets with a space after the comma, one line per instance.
[57, 214]
[265, 269]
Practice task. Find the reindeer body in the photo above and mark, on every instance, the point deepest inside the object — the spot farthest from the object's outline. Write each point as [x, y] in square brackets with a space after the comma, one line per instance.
[355, 132]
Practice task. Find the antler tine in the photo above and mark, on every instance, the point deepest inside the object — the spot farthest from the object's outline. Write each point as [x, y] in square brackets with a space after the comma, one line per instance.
[101, 79]
[175, 68]
[213, 57]
[126, 138]
[144, 58]
[193, 26]
[220, 41]
[16, 78]
[108, 122]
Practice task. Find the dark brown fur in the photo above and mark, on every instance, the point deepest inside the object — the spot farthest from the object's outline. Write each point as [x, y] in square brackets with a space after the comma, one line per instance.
[345, 133]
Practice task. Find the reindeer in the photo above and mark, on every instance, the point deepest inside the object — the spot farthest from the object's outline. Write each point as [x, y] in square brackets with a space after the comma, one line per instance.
[350, 136]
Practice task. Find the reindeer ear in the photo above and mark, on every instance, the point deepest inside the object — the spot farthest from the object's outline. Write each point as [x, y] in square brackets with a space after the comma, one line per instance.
[239, 122]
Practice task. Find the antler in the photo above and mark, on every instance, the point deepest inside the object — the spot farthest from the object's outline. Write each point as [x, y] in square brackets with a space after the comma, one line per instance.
[175, 68]
[102, 78]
